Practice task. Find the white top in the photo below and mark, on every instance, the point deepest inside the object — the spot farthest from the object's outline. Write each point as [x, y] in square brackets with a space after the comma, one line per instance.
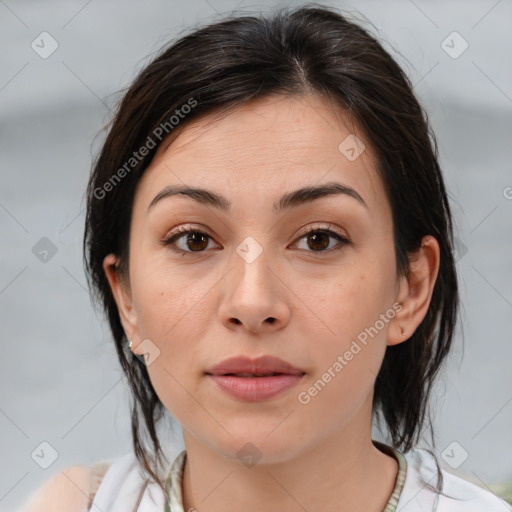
[124, 490]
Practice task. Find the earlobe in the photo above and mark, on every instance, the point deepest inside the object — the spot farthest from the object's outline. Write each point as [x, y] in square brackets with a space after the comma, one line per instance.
[397, 330]
[121, 295]
[415, 293]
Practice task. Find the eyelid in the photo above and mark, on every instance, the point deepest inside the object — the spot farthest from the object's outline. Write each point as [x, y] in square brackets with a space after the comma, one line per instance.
[185, 228]
[302, 231]
[321, 227]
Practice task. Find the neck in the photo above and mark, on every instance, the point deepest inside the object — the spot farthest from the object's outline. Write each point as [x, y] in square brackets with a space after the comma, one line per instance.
[345, 472]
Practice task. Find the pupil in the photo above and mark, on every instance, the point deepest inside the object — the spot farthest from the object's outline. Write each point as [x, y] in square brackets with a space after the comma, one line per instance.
[319, 237]
[194, 238]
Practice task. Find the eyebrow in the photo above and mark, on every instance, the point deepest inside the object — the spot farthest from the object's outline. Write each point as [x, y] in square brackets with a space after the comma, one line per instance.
[287, 201]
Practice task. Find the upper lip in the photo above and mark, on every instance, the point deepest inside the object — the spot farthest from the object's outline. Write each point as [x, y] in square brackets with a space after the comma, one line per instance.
[260, 365]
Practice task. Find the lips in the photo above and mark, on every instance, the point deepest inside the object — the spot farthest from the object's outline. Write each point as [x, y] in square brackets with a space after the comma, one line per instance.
[253, 374]
[254, 380]
[263, 366]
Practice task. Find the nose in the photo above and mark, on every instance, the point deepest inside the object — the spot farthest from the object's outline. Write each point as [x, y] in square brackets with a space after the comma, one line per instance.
[255, 296]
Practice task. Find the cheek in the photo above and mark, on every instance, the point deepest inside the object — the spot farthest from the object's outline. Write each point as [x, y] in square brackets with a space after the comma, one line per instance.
[174, 318]
[346, 304]
[165, 299]
[354, 313]
[345, 369]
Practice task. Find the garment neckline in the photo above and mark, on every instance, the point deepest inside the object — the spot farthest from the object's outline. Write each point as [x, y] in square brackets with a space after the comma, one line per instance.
[174, 497]
[392, 503]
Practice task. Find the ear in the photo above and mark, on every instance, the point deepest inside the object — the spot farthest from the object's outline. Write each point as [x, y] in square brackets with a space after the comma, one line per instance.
[121, 291]
[415, 293]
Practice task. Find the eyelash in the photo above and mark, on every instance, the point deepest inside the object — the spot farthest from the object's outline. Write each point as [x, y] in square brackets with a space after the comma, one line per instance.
[185, 230]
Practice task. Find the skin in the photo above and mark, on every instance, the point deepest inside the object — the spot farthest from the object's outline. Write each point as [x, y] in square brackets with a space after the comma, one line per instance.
[204, 307]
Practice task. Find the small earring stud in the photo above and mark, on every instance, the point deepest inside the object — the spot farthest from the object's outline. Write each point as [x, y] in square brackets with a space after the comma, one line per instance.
[402, 331]
[130, 344]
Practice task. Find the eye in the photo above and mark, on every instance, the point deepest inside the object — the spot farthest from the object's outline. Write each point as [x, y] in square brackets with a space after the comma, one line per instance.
[197, 241]
[318, 240]
[194, 239]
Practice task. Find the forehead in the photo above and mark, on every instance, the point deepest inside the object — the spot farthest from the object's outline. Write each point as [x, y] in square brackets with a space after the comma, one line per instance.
[265, 147]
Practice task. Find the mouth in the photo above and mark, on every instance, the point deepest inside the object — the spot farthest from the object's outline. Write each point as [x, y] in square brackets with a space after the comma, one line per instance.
[264, 366]
[251, 375]
[254, 388]
[254, 380]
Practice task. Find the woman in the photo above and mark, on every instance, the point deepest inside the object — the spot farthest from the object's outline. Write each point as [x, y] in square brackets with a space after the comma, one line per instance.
[269, 234]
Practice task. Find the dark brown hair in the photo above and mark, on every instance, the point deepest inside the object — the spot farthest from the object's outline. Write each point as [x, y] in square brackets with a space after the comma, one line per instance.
[225, 64]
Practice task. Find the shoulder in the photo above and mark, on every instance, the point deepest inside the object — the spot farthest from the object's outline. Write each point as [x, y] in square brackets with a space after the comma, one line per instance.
[66, 491]
[126, 487]
[70, 490]
[469, 496]
[122, 485]
[457, 494]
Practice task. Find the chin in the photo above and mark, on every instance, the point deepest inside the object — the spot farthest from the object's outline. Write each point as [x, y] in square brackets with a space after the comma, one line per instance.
[258, 447]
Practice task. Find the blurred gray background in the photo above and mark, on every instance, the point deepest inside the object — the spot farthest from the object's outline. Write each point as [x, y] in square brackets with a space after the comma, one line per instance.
[60, 380]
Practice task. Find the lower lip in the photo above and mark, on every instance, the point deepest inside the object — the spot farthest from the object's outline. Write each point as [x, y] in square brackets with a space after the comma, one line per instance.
[256, 389]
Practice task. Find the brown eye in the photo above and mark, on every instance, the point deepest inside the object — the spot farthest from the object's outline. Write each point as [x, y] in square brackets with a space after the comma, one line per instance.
[196, 241]
[189, 241]
[318, 240]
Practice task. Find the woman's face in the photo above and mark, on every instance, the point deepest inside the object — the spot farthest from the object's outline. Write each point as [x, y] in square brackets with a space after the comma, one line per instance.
[253, 283]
